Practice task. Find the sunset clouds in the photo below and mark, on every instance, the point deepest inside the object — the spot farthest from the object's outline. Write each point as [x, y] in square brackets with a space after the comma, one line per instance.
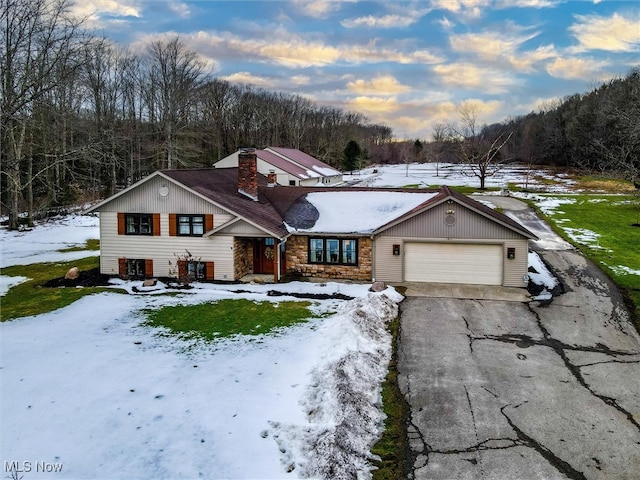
[407, 64]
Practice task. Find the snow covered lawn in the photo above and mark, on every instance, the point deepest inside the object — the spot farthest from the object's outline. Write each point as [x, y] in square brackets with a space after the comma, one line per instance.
[92, 391]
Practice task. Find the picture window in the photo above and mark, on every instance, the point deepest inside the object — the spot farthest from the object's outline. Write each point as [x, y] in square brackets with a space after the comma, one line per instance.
[333, 251]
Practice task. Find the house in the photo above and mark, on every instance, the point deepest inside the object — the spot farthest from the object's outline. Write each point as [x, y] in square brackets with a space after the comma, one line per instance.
[235, 223]
[288, 166]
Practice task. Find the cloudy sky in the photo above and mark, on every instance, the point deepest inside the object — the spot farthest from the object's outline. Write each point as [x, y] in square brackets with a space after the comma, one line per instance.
[408, 65]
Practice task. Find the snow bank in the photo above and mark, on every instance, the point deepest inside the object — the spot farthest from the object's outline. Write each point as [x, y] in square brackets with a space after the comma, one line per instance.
[342, 403]
[542, 276]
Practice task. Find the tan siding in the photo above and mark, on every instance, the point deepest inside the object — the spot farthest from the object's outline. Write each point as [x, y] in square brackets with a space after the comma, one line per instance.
[146, 199]
[516, 269]
[388, 267]
[469, 225]
[241, 228]
[162, 249]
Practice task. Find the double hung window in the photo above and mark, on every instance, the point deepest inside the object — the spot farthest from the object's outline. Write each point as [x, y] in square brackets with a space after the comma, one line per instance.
[191, 225]
[138, 224]
[196, 270]
[337, 251]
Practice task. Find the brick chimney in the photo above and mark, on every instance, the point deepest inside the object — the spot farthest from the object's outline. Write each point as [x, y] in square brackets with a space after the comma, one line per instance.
[248, 173]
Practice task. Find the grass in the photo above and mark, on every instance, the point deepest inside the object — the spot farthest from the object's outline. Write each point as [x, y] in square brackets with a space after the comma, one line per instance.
[30, 298]
[393, 445]
[617, 245]
[91, 244]
[604, 184]
[229, 317]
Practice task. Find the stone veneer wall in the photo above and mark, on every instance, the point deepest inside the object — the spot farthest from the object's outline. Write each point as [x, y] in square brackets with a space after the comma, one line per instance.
[297, 255]
[242, 257]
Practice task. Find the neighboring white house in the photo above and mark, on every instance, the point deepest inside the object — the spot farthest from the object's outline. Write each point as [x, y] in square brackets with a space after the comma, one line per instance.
[290, 166]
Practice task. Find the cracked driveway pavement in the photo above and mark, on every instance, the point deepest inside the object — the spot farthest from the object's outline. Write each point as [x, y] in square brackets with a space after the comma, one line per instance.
[510, 390]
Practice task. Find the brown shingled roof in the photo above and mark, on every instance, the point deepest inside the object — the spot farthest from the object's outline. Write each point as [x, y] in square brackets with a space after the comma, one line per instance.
[221, 187]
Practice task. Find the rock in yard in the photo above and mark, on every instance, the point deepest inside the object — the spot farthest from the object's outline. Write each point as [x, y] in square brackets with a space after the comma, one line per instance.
[150, 282]
[72, 274]
[377, 287]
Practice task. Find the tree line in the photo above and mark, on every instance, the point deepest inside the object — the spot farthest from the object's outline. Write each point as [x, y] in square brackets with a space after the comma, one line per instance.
[81, 117]
[597, 132]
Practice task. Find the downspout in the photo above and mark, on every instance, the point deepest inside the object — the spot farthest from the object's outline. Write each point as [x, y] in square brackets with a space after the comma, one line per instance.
[282, 241]
[373, 257]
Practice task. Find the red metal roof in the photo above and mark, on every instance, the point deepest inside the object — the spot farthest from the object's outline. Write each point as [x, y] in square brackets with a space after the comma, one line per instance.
[309, 163]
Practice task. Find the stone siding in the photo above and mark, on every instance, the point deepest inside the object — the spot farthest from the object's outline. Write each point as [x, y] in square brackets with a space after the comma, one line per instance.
[242, 257]
[297, 258]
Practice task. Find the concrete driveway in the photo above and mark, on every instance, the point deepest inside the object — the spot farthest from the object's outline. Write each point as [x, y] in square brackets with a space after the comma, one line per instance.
[510, 390]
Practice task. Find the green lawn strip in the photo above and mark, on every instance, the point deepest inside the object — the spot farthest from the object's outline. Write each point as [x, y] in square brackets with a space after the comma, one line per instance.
[469, 190]
[91, 244]
[229, 317]
[611, 217]
[30, 298]
[392, 447]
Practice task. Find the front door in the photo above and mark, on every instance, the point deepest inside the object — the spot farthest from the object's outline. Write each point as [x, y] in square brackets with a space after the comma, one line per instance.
[264, 255]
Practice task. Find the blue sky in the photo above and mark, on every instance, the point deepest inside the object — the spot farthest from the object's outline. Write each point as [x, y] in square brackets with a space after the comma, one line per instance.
[408, 65]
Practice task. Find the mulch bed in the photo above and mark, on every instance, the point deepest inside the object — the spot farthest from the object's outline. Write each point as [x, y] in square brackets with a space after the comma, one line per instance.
[87, 278]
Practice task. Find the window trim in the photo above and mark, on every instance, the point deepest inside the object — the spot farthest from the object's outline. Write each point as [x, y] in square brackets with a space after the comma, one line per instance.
[138, 222]
[325, 251]
[191, 224]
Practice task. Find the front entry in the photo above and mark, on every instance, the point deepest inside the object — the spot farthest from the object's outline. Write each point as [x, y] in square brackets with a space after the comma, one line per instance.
[264, 255]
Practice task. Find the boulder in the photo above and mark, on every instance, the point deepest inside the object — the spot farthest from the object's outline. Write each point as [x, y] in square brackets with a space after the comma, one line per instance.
[150, 282]
[377, 287]
[72, 274]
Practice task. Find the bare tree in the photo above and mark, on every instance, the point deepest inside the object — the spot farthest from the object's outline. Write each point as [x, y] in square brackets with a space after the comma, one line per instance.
[439, 137]
[478, 148]
[174, 77]
[39, 44]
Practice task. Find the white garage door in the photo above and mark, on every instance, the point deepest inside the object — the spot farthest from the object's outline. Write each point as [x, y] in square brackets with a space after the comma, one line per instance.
[453, 263]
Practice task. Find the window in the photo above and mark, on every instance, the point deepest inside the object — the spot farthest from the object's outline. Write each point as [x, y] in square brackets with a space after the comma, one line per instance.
[292, 183]
[191, 225]
[333, 251]
[196, 270]
[135, 268]
[138, 223]
[349, 252]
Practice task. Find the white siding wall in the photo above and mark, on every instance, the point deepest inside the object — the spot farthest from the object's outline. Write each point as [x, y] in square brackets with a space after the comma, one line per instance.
[161, 249]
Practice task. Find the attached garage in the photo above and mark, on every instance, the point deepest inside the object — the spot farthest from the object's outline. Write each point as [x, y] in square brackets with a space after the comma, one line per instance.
[453, 263]
[452, 239]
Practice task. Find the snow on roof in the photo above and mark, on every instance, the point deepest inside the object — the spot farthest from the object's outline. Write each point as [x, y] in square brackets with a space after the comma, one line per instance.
[306, 161]
[360, 212]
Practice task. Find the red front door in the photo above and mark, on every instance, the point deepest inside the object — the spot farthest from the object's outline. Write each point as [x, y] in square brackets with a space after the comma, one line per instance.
[264, 255]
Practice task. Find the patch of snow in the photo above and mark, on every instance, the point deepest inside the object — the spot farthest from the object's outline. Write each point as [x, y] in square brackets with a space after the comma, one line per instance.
[7, 282]
[543, 276]
[584, 236]
[623, 270]
[549, 205]
[430, 174]
[40, 244]
[326, 171]
[374, 209]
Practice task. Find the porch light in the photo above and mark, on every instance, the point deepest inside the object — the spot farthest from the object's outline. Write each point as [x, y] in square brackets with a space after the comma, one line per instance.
[450, 210]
